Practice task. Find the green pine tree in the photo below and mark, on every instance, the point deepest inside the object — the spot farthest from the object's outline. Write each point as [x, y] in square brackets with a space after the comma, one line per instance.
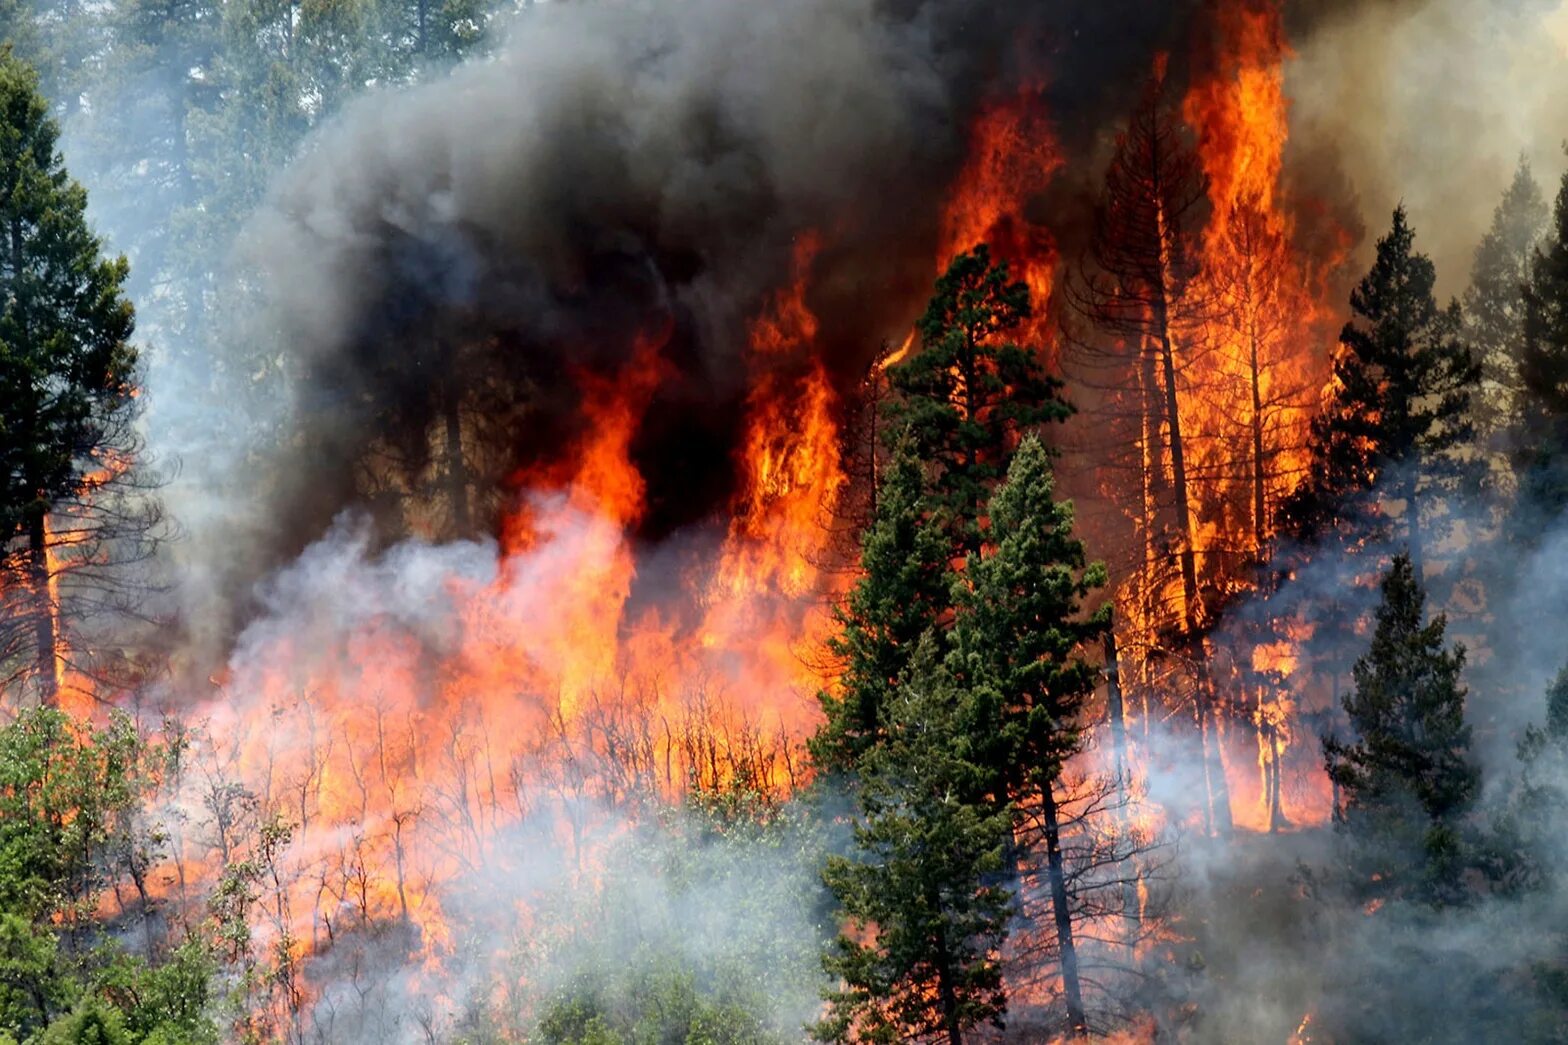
[66, 365]
[918, 958]
[970, 392]
[1407, 780]
[904, 590]
[1019, 644]
[1400, 415]
[1021, 629]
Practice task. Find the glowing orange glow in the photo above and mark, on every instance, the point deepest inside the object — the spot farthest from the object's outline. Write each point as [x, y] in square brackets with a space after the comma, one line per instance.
[1012, 158]
[1255, 371]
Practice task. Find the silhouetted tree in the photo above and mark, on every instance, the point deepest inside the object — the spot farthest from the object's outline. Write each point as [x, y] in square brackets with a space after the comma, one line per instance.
[1543, 371]
[1399, 419]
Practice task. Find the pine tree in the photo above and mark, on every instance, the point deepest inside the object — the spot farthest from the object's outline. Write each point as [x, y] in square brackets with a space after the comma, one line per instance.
[1407, 780]
[904, 590]
[969, 393]
[918, 958]
[1542, 464]
[1494, 302]
[1399, 414]
[65, 362]
[1019, 639]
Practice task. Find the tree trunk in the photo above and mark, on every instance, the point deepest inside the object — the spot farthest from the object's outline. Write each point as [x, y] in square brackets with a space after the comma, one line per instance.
[1115, 711]
[1072, 986]
[1277, 818]
[947, 995]
[45, 629]
[1218, 794]
[1217, 814]
[1152, 478]
[1259, 505]
[1413, 523]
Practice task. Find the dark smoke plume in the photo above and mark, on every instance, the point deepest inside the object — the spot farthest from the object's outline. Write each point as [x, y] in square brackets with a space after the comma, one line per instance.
[471, 246]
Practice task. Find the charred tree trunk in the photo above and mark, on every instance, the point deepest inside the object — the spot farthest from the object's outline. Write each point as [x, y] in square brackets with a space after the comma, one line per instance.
[1259, 490]
[45, 621]
[1218, 794]
[1151, 477]
[1072, 985]
[1278, 821]
[1115, 711]
[1217, 814]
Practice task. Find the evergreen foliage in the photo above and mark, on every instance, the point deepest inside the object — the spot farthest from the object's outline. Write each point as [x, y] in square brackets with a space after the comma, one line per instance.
[905, 588]
[66, 364]
[969, 393]
[1399, 414]
[1021, 631]
[1494, 302]
[926, 917]
[1407, 781]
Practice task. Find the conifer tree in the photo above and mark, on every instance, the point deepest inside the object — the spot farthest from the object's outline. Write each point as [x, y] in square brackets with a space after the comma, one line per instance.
[1019, 642]
[926, 917]
[1399, 414]
[66, 365]
[904, 589]
[969, 393]
[1543, 371]
[1494, 302]
[1407, 780]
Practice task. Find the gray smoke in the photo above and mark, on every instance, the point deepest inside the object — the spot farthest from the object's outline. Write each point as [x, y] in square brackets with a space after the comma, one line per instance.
[1433, 103]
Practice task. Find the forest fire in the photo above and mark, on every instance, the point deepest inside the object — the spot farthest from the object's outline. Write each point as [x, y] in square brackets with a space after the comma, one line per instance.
[553, 666]
[631, 579]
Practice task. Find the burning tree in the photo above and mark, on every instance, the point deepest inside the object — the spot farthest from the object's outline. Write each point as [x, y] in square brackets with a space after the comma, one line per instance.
[66, 372]
[1141, 290]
